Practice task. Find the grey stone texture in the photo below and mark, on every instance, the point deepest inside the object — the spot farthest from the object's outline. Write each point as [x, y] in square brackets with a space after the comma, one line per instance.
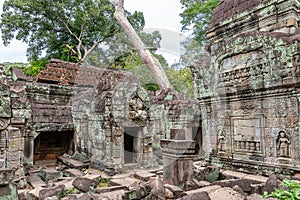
[91, 114]
[247, 85]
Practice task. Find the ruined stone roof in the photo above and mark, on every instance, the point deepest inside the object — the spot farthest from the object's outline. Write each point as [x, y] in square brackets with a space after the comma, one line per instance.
[228, 8]
[59, 72]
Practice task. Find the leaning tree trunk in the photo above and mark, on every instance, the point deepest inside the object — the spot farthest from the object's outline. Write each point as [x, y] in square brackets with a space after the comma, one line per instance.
[152, 63]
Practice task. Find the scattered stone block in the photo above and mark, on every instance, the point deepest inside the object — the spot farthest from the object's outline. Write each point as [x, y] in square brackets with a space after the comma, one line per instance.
[67, 183]
[83, 184]
[127, 182]
[242, 183]
[49, 192]
[143, 175]
[271, 183]
[73, 173]
[176, 191]
[226, 194]
[35, 181]
[202, 184]
[73, 163]
[109, 189]
[156, 183]
[139, 192]
[51, 174]
[197, 196]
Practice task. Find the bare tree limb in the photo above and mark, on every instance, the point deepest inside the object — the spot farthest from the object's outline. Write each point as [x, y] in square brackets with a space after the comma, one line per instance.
[152, 63]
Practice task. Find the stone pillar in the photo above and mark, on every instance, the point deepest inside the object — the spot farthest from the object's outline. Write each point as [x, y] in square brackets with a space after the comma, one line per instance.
[178, 158]
[8, 190]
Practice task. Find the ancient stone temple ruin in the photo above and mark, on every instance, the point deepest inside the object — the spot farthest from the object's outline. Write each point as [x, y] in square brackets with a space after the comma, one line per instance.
[96, 115]
[249, 88]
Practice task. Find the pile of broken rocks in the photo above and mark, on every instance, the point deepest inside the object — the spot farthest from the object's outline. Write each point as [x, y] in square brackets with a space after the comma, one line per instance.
[59, 181]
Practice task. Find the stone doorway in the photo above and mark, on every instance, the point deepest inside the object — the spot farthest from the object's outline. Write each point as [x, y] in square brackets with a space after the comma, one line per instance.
[51, 145]
[197, 137]
[131, 144]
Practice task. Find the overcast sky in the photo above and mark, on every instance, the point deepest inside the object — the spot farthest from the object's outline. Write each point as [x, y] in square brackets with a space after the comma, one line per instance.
[162, 15]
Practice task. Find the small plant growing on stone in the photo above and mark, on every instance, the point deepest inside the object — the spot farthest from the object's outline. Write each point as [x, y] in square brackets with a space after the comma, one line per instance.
[290, 190]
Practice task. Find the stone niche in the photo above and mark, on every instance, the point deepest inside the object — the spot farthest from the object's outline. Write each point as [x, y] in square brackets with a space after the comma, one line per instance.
[248, 85]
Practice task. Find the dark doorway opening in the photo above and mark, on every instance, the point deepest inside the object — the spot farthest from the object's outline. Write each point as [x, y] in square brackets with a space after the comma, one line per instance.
[131, 145]
[51, 145]
[197, 137]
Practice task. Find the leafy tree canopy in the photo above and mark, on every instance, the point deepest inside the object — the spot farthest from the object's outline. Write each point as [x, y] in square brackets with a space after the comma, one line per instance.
[64, 29]
[196, 16]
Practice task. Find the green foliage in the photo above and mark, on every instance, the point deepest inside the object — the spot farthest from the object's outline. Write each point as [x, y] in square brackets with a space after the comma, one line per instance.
[35, 67]
[181, 80]
[65, 30]
[104, 182]
[290, 191]
[196, 16]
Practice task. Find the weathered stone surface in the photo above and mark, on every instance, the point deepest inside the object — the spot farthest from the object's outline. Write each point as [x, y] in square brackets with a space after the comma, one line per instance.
[271, 184]
[127, 182]
[6, 176]
[196, 196]
[51, 174]
[157, 191]
[73, 172]
[49, 192]
[226, 194]
[82, 183]
[8, 192]
[175, 191]
[242, 183]
[139, 192]
[143, 175]
[36, 181]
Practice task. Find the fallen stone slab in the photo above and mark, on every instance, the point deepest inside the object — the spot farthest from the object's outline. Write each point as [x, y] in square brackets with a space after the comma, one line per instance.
[256, 179]
[157, 185]
[226, 194]
[109, 189]
[67, 183]
[138, 192]
[232, 174]
[51, 174]
[244, 184]
[208, 190]
[197, 196]
[73, 163]
[143, 175]
[114, 195]
[73, 173]
[127, 182]
[35, 181]
[201, 184]
[49, 192]
[121, 176]
[176, 191]
[52, 198]
[84, 183]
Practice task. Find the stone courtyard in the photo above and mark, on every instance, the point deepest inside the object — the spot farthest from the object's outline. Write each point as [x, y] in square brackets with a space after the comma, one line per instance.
[81, 132]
